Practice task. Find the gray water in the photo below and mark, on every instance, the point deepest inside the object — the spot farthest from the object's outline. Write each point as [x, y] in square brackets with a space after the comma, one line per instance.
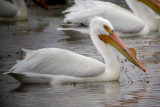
[135, 88]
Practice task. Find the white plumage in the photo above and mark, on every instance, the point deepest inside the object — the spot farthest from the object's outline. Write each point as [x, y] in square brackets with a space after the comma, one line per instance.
[83, 11]
[15, 11]
[52, 65]
[144, 13]
[58, 65]
[141, 22]
[56, 61]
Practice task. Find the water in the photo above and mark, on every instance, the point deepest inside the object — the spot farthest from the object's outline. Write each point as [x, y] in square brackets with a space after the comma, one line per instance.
[135, 88]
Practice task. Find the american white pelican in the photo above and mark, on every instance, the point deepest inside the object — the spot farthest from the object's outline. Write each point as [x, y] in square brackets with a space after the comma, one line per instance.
[51, 65]
[141, 22]
[16, 10]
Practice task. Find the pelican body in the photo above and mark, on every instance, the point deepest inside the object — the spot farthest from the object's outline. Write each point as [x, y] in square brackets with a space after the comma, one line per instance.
[16, 10]
[52, 65]
[13, 11]
[141, 22]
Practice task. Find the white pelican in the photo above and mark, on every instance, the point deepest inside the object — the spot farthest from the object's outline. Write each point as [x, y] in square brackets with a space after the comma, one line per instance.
[52, 65]
[16, 10]
[141, 22]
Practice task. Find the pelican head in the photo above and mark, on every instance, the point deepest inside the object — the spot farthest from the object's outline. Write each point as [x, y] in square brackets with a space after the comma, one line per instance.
[104, 30]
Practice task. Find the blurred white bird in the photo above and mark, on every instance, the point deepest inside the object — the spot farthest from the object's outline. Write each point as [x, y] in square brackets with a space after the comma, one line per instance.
[141, 22]
[16, 10]
[52, 65]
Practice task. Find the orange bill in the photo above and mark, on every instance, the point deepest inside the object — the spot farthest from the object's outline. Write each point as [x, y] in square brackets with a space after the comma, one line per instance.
[153, 4]
[117, 43]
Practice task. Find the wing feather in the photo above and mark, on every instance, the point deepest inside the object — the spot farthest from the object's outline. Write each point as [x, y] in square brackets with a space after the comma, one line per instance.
[122, 20]
[55, 61]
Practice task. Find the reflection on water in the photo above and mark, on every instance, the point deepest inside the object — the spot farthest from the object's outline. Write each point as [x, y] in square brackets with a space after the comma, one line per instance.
[91, 94]
[40, 32]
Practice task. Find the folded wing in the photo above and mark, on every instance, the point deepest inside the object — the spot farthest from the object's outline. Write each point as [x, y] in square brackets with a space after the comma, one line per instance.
[55, 61]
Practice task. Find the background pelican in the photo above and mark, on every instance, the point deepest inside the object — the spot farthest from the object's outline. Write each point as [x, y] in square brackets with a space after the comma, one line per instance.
[16, 10]
[58, 65]
[141, 22]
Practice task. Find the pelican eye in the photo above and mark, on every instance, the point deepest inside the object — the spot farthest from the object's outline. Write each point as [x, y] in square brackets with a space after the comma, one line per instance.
[108, 29]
